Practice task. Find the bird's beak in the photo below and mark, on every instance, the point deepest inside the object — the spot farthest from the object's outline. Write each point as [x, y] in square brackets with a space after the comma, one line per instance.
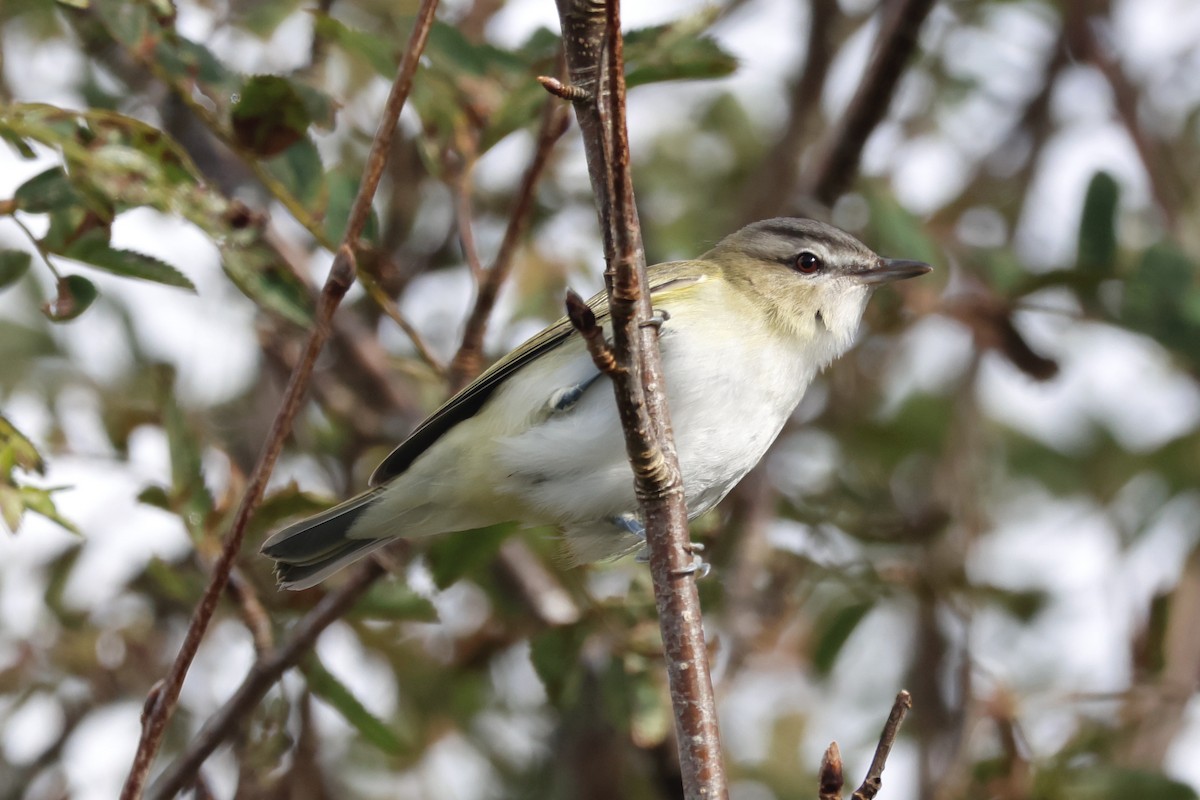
[893, 269]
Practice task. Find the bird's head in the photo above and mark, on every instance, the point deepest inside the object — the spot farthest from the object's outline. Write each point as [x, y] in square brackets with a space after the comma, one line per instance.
[810, 277]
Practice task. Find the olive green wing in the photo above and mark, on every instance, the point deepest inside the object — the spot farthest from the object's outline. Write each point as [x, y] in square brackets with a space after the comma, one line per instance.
[466, 403]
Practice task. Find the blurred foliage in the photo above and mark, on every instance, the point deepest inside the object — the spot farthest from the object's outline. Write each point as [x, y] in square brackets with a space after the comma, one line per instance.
[861, 558]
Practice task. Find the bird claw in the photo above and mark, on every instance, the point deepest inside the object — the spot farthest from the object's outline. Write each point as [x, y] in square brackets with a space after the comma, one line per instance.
[658, 318]
[699, 567]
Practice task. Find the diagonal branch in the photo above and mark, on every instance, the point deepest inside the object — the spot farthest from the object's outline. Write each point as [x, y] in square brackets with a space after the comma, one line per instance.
[468, 360]
[165, 695]
[267, 669]
[594, 53]
[768, 190]
[1168, 185]
[874, 780]
[841, 149]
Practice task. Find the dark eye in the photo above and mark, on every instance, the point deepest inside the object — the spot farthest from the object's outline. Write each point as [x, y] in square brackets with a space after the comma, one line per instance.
[808, 263]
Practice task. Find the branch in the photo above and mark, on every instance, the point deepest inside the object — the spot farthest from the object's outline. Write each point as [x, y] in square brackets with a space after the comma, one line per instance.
[768, 190]
[874, 780]
[830, 779]
[1168, 185]
[165, 695]
[843, 144]
[262, 676]
[257, 620]
[594, 54]
[468, 360]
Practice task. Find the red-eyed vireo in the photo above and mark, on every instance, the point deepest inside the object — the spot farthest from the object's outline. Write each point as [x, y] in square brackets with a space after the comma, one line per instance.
[536, 438]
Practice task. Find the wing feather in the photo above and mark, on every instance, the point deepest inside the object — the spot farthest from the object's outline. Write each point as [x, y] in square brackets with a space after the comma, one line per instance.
[467, 402]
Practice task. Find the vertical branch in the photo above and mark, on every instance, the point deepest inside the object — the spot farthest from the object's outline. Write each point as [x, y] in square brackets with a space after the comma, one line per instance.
[594, 51]
[165, 695]
[843, 144]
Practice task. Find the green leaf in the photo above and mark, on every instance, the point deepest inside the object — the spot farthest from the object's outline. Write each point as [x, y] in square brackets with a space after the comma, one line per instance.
[189, 494]
[1022, 605]
[70, 223]
[47, 191]
[40, 501]
[269, 115]
[191, 61]
[13, 266]
[17, 143]
[448, 48]
[1098, 226]
[326, 686]
[378, 52]
[75, 294]
[257, 272]
[343, 188]
[156, 497]
[12, 507]
[93, 248]
[834, 630]
[555, 657]
[300, 170]
[1116, 783]
[20, 348]
[650, 716]
[897, 232]
[17, 451]
[393, 600]
[451, 557]
[674, 52]
[127, 163]
[1158, 296]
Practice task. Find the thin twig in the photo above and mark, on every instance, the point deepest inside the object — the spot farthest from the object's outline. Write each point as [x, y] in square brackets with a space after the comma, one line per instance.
[594, 53]
[468, 359]
[842, 147]
[536, 586]
[424, 352]
[1168, 186]
[253, 613]
[263, 675]
[366, 355]
[462, 186]
[160, 707]
[874, 780]
[768, 190]
[341, 276]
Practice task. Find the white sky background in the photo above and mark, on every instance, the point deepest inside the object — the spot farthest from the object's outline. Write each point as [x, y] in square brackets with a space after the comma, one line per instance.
[1109, 378]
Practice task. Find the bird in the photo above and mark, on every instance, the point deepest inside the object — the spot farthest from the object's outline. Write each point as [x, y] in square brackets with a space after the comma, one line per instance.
[536, 438]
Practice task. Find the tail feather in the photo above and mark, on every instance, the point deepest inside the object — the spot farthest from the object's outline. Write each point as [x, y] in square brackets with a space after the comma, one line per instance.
[313, 549]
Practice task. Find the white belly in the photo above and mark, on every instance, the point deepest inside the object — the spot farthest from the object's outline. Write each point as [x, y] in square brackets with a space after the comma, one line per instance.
[728, 396]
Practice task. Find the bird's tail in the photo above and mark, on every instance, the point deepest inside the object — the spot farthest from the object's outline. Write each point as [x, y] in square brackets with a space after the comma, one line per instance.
[311, 550]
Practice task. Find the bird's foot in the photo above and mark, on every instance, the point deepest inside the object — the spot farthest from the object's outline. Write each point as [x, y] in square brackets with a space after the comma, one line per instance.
[699, 567]
[658, 318]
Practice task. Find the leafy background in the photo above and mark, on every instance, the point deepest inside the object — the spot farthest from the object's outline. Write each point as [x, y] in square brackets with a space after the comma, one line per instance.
[991, 502]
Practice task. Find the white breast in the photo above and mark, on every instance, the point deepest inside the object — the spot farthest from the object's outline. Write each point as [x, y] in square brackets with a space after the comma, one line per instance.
[731, 387]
